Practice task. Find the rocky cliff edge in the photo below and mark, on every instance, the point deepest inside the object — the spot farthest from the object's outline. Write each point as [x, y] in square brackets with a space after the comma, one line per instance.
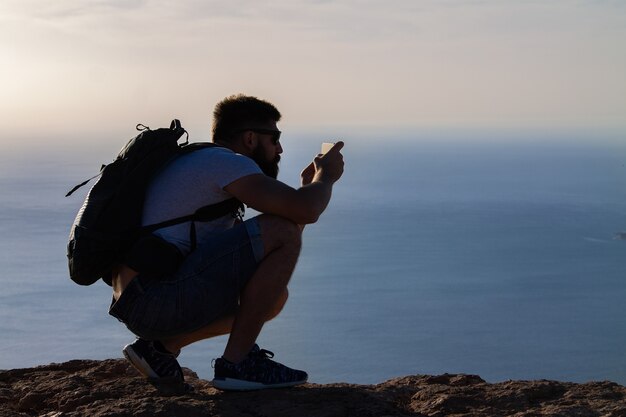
[113, 388]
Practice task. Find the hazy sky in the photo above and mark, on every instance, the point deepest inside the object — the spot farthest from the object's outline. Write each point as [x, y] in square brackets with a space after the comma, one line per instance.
[72, 66]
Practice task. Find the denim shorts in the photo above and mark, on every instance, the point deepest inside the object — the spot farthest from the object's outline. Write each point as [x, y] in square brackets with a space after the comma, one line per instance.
[204, 288]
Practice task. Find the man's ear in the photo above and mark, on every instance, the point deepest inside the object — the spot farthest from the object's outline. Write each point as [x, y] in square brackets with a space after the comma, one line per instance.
[250, 140]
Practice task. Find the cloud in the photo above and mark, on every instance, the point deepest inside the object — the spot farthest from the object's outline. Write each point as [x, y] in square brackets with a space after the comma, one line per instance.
[347, 20]
[67, 9]
[355, 61]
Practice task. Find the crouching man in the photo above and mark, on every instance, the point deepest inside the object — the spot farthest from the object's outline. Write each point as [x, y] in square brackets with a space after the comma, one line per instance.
[233, 275]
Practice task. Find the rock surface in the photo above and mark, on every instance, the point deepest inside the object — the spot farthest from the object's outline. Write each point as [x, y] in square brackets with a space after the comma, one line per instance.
[113, 388]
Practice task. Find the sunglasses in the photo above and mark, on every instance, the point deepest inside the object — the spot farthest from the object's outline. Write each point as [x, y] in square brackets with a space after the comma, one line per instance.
[275, 133]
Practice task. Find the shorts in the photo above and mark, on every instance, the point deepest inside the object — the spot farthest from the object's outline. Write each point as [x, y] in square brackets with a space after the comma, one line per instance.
[204, 288]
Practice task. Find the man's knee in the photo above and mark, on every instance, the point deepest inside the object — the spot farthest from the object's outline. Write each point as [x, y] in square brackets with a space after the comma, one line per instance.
[279, 232]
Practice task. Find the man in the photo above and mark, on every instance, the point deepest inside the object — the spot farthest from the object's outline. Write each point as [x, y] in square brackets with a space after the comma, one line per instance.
[234, 275]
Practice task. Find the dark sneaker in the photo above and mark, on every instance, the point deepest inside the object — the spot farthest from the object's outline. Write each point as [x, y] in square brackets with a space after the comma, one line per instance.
[161, 369]
[257, 371]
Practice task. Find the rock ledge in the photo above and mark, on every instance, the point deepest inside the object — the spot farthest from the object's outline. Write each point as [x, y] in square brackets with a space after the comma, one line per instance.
[113, 388]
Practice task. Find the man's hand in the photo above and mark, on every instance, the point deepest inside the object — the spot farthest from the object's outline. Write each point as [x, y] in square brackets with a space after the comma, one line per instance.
[307, 174]
[324, 168]
[302, 206]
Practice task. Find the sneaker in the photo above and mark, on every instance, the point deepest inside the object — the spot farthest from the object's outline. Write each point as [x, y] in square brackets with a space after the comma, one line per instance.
[255, 372]
[161, 369]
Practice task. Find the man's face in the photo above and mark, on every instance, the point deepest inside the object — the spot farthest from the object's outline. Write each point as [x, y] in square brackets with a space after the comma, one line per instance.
[268, 150]
[268, 166]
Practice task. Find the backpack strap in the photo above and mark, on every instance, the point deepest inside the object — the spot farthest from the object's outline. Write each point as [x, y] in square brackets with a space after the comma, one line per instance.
[154, 256]
[203, 214]
[85, 182]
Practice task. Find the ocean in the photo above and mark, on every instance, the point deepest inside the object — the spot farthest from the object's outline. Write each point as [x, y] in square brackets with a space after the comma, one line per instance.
[497, 256]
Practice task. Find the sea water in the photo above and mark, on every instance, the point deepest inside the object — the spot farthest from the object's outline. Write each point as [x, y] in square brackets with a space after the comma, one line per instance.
[437, 254]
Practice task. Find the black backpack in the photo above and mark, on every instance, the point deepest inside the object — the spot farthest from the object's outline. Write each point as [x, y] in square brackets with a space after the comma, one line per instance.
[107, 229]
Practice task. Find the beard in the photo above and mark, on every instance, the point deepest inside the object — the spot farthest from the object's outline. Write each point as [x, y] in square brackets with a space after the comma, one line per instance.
[269, 168]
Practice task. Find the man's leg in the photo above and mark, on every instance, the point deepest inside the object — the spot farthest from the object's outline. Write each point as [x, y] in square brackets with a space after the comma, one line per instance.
[263, 296]
[266, 287]
[219, 327]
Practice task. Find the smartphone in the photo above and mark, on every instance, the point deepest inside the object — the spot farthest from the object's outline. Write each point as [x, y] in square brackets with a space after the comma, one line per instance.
[326, 146]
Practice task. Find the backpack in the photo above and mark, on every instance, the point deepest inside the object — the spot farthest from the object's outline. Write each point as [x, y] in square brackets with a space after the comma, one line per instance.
[107, 229]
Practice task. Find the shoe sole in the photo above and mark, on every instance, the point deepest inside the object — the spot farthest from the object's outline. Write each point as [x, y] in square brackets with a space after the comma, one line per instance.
[138, 362]
[231, 384]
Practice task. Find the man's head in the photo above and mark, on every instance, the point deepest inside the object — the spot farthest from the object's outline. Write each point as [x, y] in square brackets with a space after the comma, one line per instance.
[238, 112]
[248, 125]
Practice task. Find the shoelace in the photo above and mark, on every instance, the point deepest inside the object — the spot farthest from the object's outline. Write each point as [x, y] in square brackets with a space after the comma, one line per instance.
[263, 353]
[256, 352]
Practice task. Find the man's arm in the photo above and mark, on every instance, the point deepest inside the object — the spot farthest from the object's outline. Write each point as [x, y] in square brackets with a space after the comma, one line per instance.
[303, 205]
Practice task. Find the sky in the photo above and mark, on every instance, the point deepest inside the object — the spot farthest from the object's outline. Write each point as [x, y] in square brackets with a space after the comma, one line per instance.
[75, 67]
